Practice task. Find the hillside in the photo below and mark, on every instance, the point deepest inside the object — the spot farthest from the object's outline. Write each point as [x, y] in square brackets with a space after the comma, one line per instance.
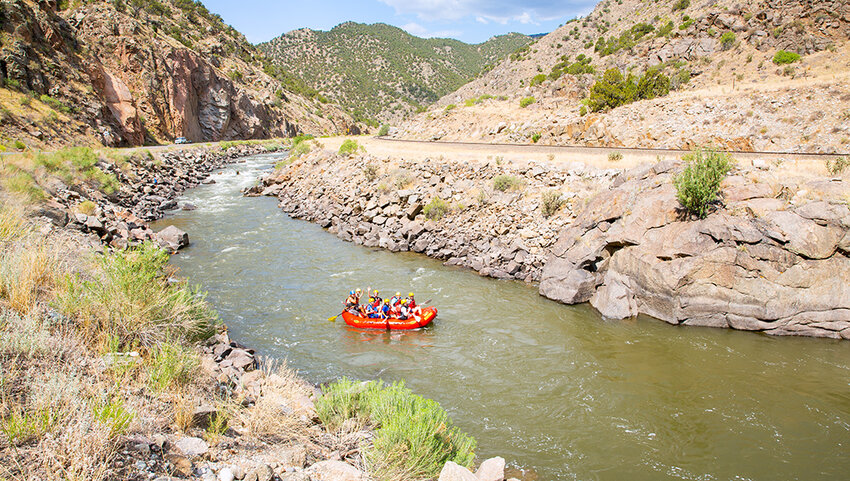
[381, 72]
[710, 75]
[131, 73]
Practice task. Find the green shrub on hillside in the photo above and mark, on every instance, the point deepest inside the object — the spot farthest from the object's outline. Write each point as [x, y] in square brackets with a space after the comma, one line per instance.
[436, 209]
[506, 182]
[614, 90]
[348, 147]
[838, 165]
[615, 156]
[385, 129]
[681, 4]
[698, 185]
[525, 102]
[550, 203]
[414, 437]
[538, 79]
[449, 107]
[782, 57]
[727, 40]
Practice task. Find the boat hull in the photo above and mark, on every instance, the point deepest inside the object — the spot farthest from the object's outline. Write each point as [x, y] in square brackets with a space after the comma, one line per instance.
[428, 315]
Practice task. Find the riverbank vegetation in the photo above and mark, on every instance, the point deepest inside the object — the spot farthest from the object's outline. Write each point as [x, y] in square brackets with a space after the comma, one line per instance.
[698, 185]
[414, 436]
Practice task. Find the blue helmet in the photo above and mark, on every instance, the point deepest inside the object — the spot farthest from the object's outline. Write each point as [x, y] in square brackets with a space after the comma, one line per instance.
[351, 293]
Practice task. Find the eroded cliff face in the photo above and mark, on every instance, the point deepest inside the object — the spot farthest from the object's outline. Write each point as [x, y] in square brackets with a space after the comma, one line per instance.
[127, 80]
[775, 259]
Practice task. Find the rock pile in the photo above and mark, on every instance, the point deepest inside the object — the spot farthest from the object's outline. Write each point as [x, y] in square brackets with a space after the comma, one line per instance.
[775, 258]
[501, 234]
[149, 185]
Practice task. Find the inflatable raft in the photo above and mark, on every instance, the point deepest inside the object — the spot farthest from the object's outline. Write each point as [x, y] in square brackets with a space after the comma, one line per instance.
[428, 315]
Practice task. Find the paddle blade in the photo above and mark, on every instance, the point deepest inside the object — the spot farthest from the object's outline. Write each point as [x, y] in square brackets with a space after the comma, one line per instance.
[333, 319]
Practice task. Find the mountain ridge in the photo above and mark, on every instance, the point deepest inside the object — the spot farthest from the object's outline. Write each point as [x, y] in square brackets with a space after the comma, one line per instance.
[379, 71]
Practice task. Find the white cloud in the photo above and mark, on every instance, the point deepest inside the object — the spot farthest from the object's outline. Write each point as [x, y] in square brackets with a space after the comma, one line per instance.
[482, 20]
[417, 30]
[501, 11]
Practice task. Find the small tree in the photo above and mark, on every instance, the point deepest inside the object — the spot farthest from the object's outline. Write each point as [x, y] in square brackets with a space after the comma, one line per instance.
[349, 147]
[698, 185]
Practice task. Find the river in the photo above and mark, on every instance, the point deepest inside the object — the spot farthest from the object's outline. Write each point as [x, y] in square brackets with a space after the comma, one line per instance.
[554, 389]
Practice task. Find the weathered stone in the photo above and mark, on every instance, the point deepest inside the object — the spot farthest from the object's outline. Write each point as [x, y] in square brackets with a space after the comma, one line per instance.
[492, 469]
[182, 465]
[333, 470]
[172, 238]
[455, 472]
[191, 446]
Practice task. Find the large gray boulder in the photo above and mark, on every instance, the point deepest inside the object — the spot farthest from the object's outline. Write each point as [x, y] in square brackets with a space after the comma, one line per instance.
[172, 238]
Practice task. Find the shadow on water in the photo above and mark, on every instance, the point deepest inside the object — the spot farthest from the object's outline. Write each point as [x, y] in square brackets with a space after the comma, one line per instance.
[548, 386]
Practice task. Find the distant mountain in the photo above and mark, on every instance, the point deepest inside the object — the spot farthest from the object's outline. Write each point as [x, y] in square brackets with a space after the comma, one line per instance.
[380, 72]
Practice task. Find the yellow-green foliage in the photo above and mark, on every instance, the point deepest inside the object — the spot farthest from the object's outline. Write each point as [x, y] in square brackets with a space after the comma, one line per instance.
[348, 147]
[525, 102]
[698, 185]
[414, 437]
[436, 209]
[507, 182]
[837, 165]
[131, 299]
[170, 365]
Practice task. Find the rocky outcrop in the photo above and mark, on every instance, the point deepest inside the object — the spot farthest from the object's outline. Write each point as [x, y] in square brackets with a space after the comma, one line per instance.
[761, 263]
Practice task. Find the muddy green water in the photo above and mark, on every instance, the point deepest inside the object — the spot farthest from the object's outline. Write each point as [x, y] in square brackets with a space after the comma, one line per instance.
[552, 388]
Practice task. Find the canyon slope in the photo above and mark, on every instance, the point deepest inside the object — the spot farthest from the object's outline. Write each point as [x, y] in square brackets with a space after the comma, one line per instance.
[132, 73]
[382, 72]
[727, 87]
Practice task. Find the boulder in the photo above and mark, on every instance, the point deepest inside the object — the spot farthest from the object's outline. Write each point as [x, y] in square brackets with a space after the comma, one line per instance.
[334, 471]
[191, 446]
[455, 472]
[492, 469]
[172, 238]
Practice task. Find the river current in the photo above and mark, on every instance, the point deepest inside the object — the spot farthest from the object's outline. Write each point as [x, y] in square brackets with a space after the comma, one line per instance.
[555, 389]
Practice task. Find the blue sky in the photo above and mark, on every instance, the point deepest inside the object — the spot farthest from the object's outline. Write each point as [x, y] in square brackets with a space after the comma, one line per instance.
[471, 21]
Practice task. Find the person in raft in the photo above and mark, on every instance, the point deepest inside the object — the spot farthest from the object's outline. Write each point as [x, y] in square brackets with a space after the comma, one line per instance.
[352, 303]
[397, 307]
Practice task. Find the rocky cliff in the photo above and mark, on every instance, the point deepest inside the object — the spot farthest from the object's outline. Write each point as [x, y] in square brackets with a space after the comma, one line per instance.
[128, 74]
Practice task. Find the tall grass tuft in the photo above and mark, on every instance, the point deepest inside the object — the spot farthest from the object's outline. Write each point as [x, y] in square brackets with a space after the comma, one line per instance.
[698, 185]
[132, 299]
[170, 365]
[414, 436]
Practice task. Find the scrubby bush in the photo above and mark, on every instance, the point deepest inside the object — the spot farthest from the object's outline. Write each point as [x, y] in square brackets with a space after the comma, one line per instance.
[838, 165]
[615, 157]
[681, 4]
[525, 102]
[370, 171]
[727, 40]
[414, 437]
[538, 79]
[698, 185]
[550, 203]
[506, 182]
[384, 130]
[348, 147]
[535, 137]
[436, 209]
[55, 104]
[782, 57]
[449, 107]
[614, 90]
[133, 301]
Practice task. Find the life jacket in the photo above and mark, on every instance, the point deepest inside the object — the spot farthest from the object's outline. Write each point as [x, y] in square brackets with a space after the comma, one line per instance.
[351, 301]
[395, 311]
[411, 303]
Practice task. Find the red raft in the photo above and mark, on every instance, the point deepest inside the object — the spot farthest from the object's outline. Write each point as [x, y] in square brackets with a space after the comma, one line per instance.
[428, 315]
